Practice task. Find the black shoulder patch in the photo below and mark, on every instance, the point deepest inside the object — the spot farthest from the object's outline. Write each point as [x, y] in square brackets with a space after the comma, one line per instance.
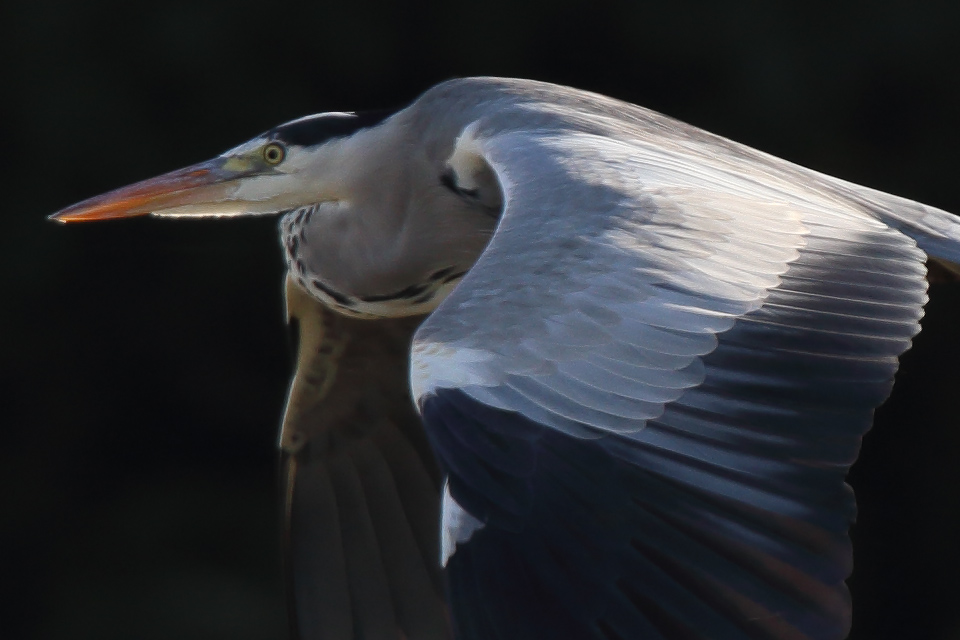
[313, 130]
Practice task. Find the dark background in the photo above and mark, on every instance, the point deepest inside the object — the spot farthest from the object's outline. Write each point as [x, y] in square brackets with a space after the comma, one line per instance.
[144, 363]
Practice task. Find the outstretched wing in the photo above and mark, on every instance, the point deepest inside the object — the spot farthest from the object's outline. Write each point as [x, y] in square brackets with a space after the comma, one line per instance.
[646, 394]
[361, 488]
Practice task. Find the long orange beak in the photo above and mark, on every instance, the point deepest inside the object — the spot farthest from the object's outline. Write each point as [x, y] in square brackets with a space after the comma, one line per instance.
[202, 183]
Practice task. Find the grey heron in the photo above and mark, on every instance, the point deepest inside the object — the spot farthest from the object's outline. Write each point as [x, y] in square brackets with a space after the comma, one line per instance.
[568, 368]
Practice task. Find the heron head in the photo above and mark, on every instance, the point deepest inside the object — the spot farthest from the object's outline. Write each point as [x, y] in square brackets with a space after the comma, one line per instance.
[287, 167]
[376, 222]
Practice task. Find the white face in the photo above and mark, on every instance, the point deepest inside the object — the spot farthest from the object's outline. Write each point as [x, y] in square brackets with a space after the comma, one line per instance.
[296, 164]
[286, 167]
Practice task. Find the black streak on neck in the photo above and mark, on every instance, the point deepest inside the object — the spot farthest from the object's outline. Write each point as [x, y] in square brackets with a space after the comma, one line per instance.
[333, 293]
[412, 291]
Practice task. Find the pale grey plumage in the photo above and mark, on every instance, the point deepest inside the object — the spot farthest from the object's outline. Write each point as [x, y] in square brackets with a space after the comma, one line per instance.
[650, 356]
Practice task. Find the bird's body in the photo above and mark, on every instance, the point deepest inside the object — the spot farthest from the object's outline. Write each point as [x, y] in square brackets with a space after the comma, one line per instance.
[649, 358]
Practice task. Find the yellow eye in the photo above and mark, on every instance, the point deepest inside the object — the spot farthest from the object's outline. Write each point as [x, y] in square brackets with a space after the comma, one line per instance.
[274, 153]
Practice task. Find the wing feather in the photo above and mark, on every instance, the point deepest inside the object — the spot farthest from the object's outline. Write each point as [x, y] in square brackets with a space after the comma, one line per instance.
[654, 425]
[361, 485]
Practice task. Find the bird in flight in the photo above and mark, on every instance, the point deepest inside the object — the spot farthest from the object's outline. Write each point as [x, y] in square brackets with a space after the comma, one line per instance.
[567, 368]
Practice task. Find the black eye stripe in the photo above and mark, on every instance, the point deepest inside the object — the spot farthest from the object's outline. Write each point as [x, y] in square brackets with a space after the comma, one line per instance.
[326, 126]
